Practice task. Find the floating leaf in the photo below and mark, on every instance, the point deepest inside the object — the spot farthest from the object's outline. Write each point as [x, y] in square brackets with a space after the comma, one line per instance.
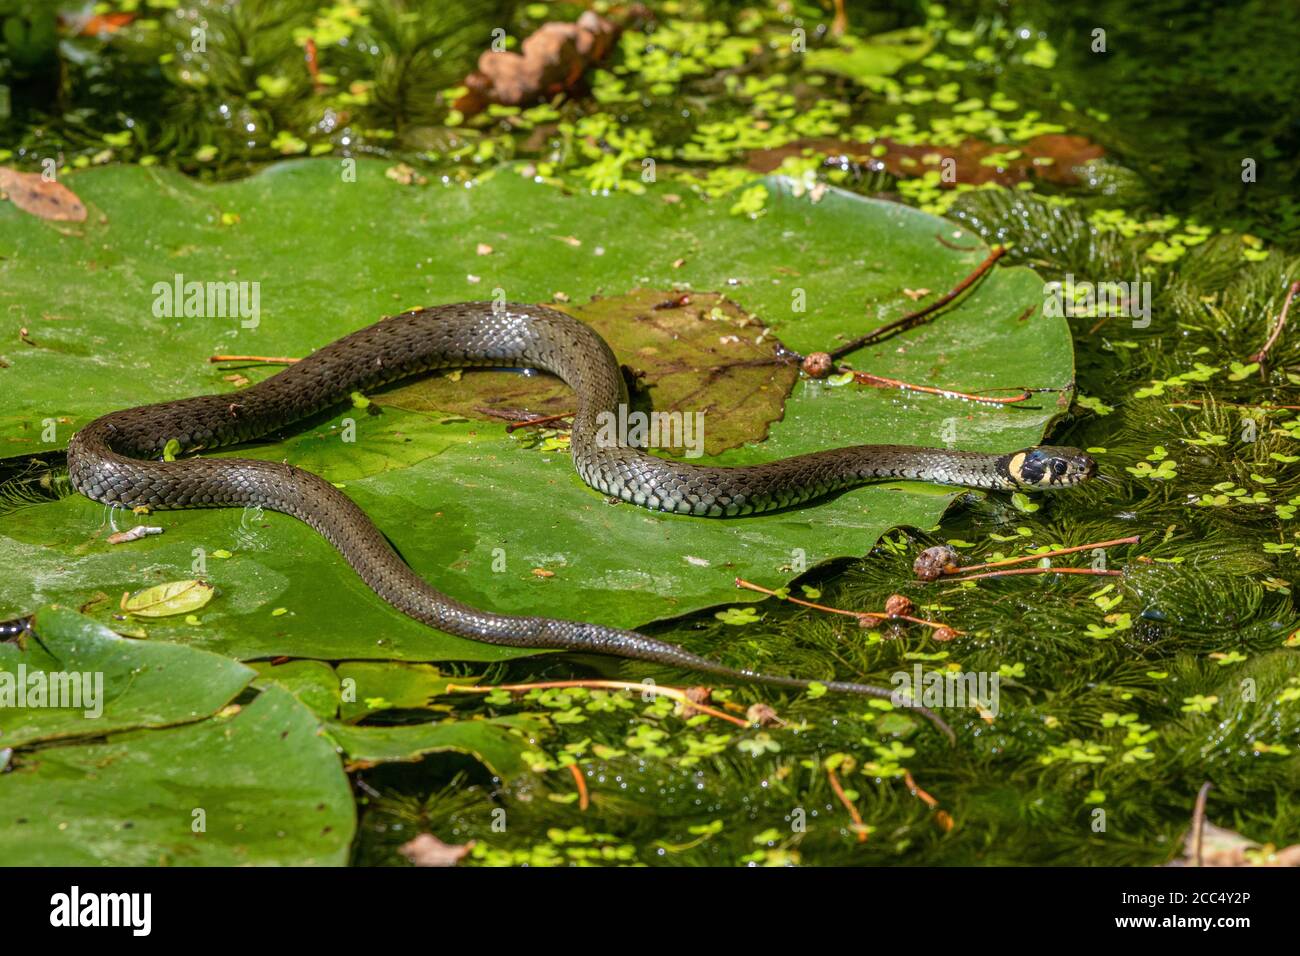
[490, 741]
[46, 198]
[314, 683]
[400, 686]
[452, 492]
[119, 684]
[869, 59]
[174, 597]
[262, 786]
[738, 616]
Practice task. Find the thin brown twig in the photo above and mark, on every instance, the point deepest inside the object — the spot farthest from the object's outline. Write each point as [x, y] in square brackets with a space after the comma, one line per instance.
[1198, 822]
[1262, 355]
[533, 422]
[914, 318]
[1132, 539]
[876, 615]
[1264, 407]
[952, 245]
[506, 414]
[266, 359]
[917, 791]
[858, 826]
[1011, 571]
[1098, 324]
[840, 23]
[583, 799]
[676, 693]
[943, 818]
[880, 381]
[517, 417]
[312, 66]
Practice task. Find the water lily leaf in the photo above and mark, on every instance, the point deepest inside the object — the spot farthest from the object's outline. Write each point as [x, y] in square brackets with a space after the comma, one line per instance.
[314, 683]
[164, 600]
[493, 742]
[112, 683]
[896, 724]
[370, 686]
[869, 59]
[263, 786]
[496, 520]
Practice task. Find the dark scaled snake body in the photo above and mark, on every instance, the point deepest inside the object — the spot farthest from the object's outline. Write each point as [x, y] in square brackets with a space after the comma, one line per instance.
[114, 460]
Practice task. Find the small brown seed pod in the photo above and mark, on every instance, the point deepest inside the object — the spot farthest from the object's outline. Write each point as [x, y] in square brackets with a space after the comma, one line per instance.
[699, 694]
[943, 634]
[899, 604]
[817, 365]
[932, 563]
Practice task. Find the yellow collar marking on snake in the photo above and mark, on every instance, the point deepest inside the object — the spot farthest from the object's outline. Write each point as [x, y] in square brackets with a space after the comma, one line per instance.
[1014, 465]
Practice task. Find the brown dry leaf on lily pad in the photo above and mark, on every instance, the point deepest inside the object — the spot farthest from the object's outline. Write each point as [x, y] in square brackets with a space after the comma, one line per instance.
[1051, 157]
[707, 356]
[46, 198]
[427, 850]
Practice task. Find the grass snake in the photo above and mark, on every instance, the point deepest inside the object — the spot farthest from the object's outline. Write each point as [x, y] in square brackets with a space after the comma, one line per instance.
[114, 460]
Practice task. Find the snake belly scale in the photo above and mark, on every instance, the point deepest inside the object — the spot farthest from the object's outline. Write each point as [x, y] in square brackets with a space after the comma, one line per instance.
[114, 460]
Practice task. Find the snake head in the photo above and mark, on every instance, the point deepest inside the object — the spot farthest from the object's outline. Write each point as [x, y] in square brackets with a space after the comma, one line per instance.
[1049, 466]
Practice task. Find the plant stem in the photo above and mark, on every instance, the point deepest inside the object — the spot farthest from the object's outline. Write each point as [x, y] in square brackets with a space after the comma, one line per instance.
[943, 818]
[1009, 572]
[1198, 822]
[583, 800]
[879, 381]
[532, 422]
[1132, 539]
[1262, 355]
[858, 826]
[914, 318]
[269, 360]
[877, 615]
[675, 693]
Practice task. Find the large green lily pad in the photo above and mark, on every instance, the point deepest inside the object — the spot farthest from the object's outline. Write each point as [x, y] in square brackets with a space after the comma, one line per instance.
[314, 683]
[498, 743]
[472, 509]
[261, 787]
[119, 684]
[375, 686]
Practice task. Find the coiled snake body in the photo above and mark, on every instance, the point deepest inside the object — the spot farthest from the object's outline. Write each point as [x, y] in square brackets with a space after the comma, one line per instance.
[113, 460]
